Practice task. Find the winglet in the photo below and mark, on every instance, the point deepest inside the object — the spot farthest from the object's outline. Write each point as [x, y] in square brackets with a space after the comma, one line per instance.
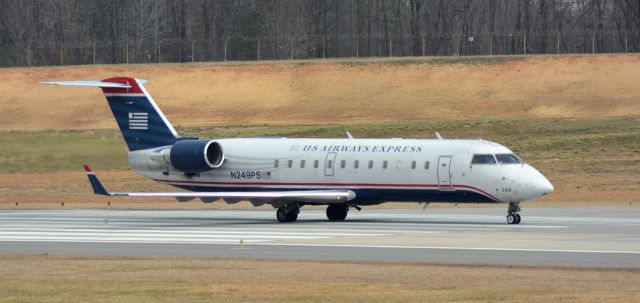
[98, 189]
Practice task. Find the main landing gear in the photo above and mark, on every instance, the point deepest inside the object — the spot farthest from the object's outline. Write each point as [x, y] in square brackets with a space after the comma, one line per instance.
[337, 212]
[513, 217]
[288, 213]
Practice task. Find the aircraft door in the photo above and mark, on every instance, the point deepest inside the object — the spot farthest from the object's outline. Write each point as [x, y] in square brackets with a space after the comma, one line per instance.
[330, 164]
[444, 173]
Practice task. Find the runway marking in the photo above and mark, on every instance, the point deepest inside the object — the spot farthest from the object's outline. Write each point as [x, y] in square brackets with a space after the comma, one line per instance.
[300, 225]
[138, 241]
[186, 232]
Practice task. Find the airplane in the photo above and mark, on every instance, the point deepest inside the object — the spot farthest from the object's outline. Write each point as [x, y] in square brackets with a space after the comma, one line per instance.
[289, 173]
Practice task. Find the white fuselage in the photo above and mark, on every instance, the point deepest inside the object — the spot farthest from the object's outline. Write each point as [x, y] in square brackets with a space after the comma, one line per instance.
[377, 170]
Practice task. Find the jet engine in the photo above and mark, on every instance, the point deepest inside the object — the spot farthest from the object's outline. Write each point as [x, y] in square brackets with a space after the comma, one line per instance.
[194, 156]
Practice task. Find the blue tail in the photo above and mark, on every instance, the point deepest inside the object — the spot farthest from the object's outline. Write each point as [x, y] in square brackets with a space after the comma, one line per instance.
[142, 123]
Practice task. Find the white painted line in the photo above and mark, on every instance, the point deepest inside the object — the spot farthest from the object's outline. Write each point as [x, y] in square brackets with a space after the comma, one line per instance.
[34, 235]
[171, 232]
[143, 241]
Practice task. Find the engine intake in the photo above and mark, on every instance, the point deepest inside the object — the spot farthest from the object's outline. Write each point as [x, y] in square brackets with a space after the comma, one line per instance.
[194, 156]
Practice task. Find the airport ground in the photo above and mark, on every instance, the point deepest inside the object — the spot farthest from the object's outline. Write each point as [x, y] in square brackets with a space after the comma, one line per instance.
[574, 117]
[439, 255]
[54, 278]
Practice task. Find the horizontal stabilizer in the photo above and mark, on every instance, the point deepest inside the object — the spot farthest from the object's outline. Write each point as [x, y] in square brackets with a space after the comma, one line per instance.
[317, 196]
[89, 84]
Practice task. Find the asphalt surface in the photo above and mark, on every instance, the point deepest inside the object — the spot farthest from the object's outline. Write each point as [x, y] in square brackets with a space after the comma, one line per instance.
[590, 237]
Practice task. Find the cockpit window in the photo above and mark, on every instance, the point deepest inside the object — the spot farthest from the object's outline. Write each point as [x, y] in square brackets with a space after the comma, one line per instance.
[483, 159]
[508, 159]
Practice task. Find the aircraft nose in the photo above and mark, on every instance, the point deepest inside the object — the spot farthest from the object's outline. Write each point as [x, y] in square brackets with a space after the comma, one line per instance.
[535, 185]
[543, 186]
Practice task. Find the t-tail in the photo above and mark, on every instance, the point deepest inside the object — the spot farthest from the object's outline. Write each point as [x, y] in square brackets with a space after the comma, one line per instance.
[142, 123]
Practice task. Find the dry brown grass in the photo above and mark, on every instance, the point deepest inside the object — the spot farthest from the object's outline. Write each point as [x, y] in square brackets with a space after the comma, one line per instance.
[333, 91]
[44, 278]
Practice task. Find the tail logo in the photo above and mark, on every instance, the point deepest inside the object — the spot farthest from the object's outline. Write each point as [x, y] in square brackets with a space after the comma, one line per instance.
[139, 121]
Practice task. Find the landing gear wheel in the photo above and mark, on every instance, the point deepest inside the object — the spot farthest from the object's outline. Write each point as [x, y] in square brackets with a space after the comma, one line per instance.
[291, 216]
[513, 217]
[337, 212]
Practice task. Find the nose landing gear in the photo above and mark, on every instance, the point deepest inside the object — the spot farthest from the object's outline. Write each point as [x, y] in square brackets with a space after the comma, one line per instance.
[513, 217]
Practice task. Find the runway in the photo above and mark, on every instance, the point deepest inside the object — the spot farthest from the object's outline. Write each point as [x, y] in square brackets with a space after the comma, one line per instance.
[591, 237]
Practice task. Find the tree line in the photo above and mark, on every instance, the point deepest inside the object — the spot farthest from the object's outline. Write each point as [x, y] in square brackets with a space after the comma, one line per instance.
[50, 32]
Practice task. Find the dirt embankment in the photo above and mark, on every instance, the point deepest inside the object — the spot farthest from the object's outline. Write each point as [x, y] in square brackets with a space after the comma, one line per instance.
[333, 91]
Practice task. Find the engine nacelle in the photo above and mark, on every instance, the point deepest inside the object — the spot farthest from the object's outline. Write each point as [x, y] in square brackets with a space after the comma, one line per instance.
[194, 156]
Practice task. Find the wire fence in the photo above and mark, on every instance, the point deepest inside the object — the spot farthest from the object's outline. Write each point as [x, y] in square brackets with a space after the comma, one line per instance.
[42, 53]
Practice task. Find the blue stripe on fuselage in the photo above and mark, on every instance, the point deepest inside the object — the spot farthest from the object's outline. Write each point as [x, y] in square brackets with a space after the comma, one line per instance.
[369, 196]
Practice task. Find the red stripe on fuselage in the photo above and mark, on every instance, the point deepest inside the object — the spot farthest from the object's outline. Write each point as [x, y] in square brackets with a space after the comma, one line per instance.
[329, 185]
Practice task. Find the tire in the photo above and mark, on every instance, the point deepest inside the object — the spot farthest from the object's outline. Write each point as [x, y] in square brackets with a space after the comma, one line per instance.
[292, 216]
[512, 219]
[337, 212]
[518, 218]
[281, 215]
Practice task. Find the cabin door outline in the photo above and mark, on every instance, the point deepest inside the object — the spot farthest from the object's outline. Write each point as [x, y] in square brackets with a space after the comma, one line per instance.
[330, 164]
[444, 173]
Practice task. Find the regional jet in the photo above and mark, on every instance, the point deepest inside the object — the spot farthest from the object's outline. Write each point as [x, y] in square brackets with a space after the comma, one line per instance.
[289, 173]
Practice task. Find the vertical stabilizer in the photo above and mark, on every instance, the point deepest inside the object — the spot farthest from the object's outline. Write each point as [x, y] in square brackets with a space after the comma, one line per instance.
[142, 123]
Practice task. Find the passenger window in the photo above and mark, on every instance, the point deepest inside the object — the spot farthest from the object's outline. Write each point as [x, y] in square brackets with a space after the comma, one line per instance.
[385, 163]
[343, 163]
[413, 164]
[356, 163]
[370, 164]
[315, 163]
[426, 164]
[399, 164]
[290, 163]
[275, 163]
[329, 163]
[483, 159]
[302, 163]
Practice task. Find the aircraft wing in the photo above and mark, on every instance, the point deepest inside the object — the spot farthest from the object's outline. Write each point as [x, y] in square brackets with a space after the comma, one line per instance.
[318, 196]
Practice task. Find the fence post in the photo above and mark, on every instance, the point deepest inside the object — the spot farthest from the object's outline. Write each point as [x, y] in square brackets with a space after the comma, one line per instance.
[491, 44]
[558, 44]
[626, 42]
[193, 44]
[159, 54]
[126, 49]
[258, 48]
[424, 49]
[290, 48]
[225, 49]
[390, 49]
[28, 54]
[593, 43]
[457, 45]
[358, 48]
[94, 53]
[524, 44]
[61, 56]
[324, 47]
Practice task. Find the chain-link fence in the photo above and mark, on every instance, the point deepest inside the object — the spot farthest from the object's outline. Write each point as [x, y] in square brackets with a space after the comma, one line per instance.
[238, 48]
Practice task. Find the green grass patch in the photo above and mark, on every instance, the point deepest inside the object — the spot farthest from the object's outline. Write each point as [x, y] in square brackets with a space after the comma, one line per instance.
[600, 145]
